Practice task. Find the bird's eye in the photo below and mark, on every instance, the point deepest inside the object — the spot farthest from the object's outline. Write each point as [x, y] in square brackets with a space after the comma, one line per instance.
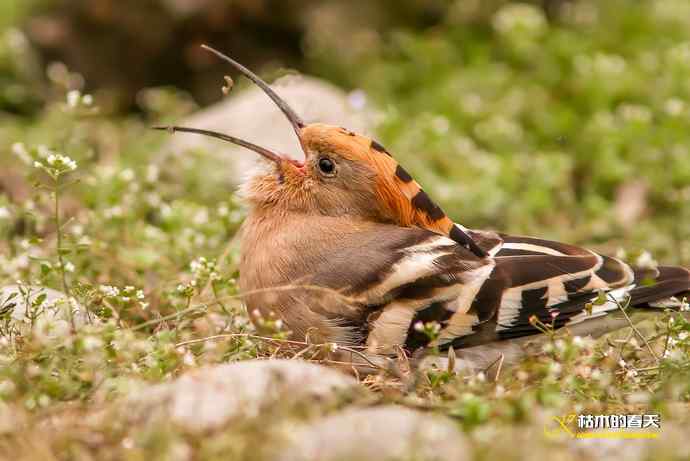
[327, 166]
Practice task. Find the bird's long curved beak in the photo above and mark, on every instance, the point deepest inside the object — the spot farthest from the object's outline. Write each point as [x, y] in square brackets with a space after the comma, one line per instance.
[270, 155]
[293, 118]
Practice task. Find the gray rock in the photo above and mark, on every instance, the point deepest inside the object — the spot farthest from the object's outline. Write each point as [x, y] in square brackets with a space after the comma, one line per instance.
[381, 433]
[251, 115]
[51, 318]
[210, 397]
[610, 449]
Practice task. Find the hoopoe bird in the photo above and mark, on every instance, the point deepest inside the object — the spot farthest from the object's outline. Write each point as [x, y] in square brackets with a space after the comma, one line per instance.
[346, 247]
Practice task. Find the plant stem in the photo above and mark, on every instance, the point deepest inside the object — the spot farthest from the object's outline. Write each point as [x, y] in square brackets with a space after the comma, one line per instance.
[58, 231]
[61, 263]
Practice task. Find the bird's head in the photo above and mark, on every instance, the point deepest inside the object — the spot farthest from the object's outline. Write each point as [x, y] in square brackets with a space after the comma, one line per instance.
[342, 174]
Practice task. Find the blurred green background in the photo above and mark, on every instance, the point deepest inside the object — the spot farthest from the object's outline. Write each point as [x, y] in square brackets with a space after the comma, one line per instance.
[563, 119]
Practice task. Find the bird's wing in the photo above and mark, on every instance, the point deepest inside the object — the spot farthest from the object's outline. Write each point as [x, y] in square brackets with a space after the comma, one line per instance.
[405, 276]
[392, 273]
[555, 284]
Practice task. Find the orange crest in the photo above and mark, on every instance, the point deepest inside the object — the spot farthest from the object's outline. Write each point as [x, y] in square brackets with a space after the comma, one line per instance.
[400, 194]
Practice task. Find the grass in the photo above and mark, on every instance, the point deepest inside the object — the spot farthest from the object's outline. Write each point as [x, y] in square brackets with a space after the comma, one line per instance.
[511, 120]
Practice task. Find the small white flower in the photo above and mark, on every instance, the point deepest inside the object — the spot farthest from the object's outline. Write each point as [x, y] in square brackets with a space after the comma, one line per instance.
[200, 217]
[113, 212]
[92, 342]
[43, 151]
[188, 359]
[109, 291]
[4, 213]
[140, 294]
[126, 175]
[635, 113]
[631, 373]
[440, 125]
[73, 98]
[236, 216]
[674, 107]
[555, 368]
[152, 173]
[69, 267]
[87, 100]
[419, 326]
[43, 400]
[621, 254]
[19, 150]
[646, 261]
[684, 306]
[70, 163]
[519, 17]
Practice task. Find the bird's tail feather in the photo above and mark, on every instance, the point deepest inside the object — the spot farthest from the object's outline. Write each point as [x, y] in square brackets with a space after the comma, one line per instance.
[670, 282]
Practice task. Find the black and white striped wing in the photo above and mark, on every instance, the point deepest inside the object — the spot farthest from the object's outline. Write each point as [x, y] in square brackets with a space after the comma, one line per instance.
[403, 276]
[394, 273]
[554, 283]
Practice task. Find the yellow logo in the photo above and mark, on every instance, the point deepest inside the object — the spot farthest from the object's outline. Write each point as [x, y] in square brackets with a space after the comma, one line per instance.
[563, 426]
[603, 426]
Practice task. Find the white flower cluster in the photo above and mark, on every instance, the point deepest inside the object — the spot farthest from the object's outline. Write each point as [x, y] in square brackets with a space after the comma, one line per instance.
[270, 323]
[630, 371]
[520, 17]
[125, 295]
[600, 64]
[54, 164]
[75, 99]
[187, 289]
[109, 291]
[431, 329]
[675, 339]
[202, 268]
